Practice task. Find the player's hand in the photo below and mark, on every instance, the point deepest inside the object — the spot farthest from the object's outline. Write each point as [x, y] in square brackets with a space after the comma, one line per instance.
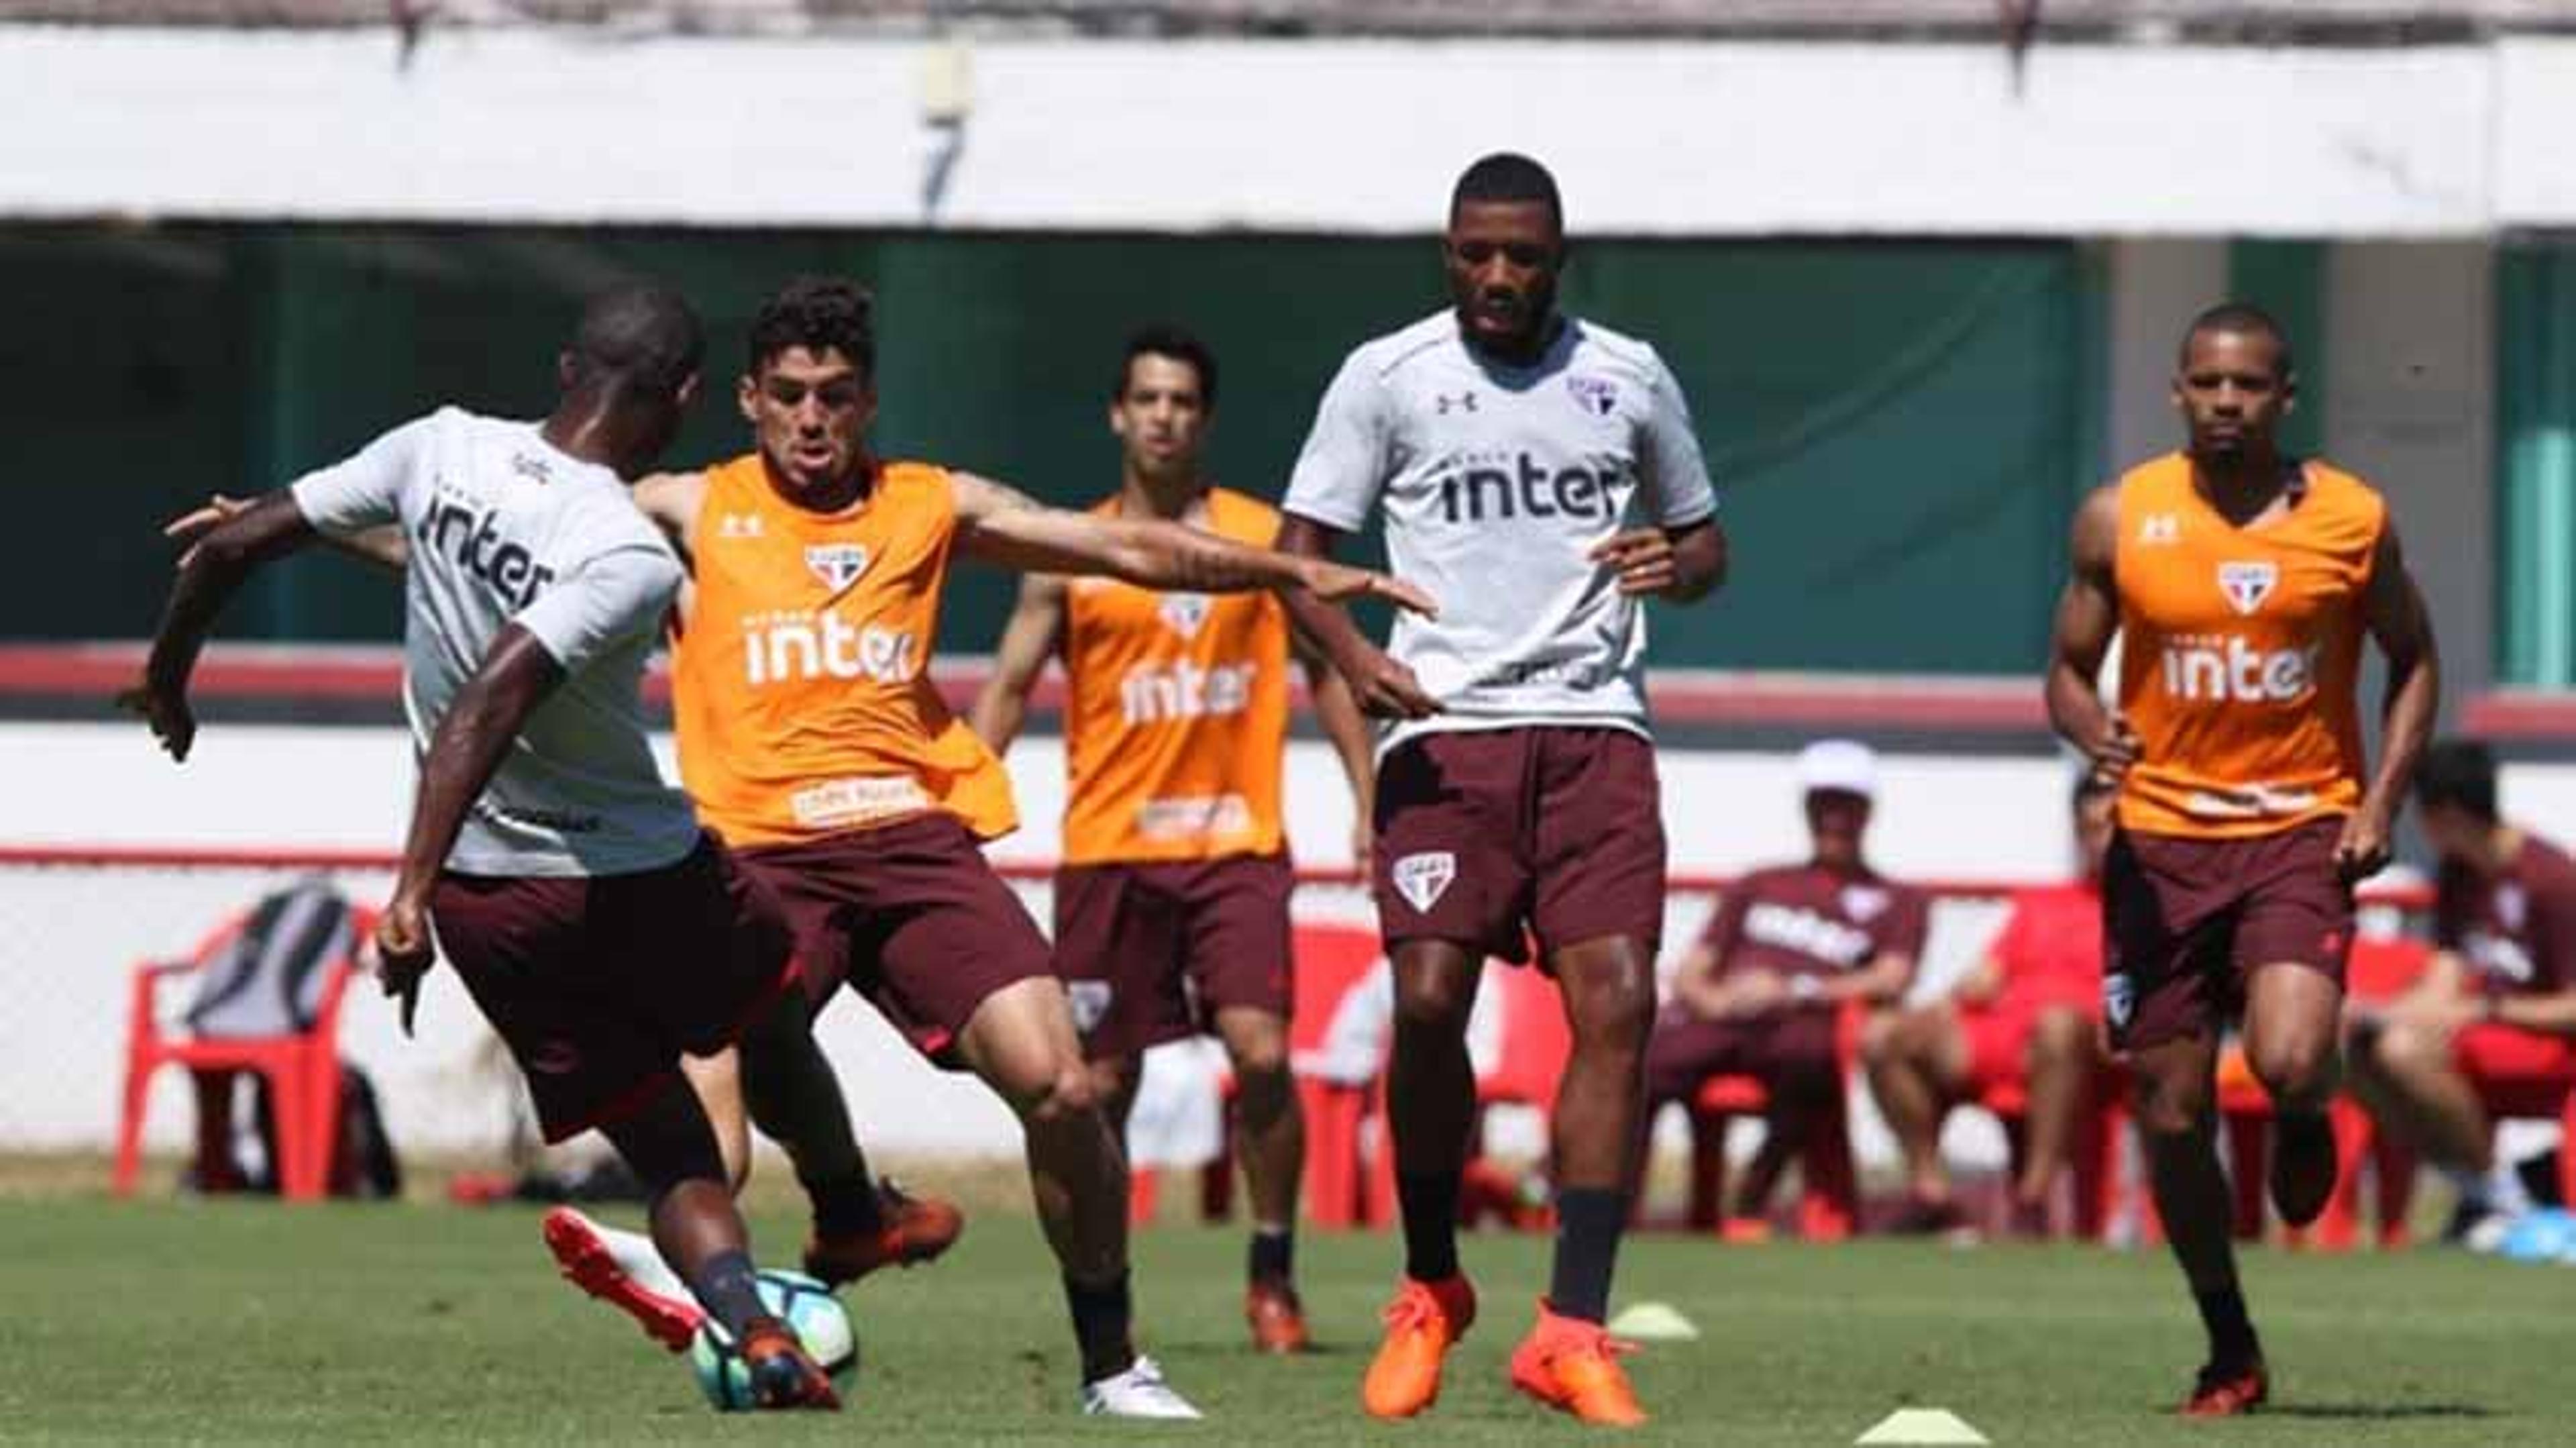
[1382, 687]
[2114, 749]
[403, 952]
[165, 709]
[192, 526]
[1643, 559]
[1755, 992]
[1340, 583]
[2362, 850]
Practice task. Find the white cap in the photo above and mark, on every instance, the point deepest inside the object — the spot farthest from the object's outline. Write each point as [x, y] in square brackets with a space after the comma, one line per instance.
[1844, 765]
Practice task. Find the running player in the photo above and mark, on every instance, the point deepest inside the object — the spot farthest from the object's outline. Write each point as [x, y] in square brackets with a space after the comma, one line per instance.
[2241, 582]
[598, 928]
[1171, 909]
[811, 738]
[1539, 471]
[2026, 1014]
[2496, 1009]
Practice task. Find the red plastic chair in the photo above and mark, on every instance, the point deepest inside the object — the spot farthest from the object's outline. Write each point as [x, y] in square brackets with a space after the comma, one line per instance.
[2096, 1156]
[302, 1070]
[1828, 1183]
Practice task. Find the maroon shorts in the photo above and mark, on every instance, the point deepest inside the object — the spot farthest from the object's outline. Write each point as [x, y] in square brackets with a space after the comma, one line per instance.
[1787, 1048]
[2185, 921]
[598, 985]
[1150, 953]
[909, 915]
[1490, 837]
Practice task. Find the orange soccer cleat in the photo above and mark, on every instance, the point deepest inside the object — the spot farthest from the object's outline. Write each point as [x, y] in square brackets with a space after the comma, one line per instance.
[783, 1375]
[1572, 1366]
[1276, 1317]
[916, 1229]
[588, 1264]
[1422, 1323]
[2228, 1392]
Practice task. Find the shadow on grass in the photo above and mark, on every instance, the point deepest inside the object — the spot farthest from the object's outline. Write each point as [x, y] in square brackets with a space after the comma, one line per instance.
[2376, 1412]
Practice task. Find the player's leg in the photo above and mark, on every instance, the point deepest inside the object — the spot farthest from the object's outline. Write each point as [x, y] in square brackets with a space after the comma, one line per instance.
[1270, 1141]
[718, 1081]
[2177, 1120]
[1916, 1066]
[2416, 1082]
[2293, 1019]
[1431, 1113]
[2058, 1064]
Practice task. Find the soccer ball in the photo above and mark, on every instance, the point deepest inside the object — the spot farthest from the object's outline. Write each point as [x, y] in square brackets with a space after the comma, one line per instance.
[806, 1306]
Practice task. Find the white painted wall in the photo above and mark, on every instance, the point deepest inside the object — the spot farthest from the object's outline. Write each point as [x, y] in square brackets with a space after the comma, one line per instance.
[1695, 138]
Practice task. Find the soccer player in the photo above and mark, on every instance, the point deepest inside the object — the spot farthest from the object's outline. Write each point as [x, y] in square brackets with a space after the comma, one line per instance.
[2496, 1007]
[811, 738]
[1790, 948]
[2026, 1012]
[1171, 908]
[1539, 473]
[598, 927]
[2241, 582]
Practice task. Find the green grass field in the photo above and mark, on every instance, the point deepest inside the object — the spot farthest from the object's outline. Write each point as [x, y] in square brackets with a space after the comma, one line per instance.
[258, 1323]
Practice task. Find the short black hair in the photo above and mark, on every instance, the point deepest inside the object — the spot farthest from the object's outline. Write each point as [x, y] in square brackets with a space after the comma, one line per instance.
[1162, 339]
[2239, 317]
[1508, 176]
[641, 338]
[819, 314]
[2460, 773]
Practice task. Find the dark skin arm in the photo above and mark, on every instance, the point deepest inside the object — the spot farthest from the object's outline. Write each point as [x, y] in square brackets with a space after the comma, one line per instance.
[2392, 608]
[1677, 565]
[2088, 614]
[1383, 688]
[212, 571]
[472, 738]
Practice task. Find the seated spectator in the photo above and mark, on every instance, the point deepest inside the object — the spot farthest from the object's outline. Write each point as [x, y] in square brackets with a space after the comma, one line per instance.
[2026, 1013]
[2496, 1007]
[1759, 994]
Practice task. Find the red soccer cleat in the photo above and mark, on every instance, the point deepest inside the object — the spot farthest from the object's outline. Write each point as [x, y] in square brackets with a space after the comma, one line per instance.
[1422, 1323]
[2228, 1392]
[1276, 1317]
[589, 1265]
[782, 1374]
[916, 1229]
[1573, 1366]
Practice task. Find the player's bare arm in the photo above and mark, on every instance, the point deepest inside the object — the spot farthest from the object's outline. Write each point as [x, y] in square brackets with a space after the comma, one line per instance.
[472, 737]
[1034, 634]
[2392, 608]
[1354, 743]
[2088, 614]
[1003, 526]
[1381, 686]
[672, 501]
[386, 547]
[210, 573]
[1678, 565]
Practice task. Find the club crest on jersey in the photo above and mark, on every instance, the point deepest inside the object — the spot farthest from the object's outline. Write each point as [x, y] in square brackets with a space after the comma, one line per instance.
[1090, 1001]
[1183, 613]
[837, 564]
[1863, 902]
[1422, 879]
[2248, 584]
[1595, 395]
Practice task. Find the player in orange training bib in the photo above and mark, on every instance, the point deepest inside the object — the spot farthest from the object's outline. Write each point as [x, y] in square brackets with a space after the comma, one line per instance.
[2241, 583]
[1171, 909]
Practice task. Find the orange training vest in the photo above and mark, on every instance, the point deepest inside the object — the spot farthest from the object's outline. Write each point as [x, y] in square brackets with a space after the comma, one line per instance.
[1177, 712]
[2240, 651]
[800, 681]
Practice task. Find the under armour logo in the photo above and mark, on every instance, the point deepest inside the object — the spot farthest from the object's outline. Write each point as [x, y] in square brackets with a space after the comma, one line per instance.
[2159, 529]
[1422, 879]
[738, 525]
[1463, 402]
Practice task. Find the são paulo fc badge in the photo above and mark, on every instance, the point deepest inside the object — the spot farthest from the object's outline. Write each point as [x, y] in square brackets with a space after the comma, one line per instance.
[1595, 395]
[1090, 1002]
[837, 564]
[2119, 999]
[2248, 584]
[1422, 879]
[1184, 612]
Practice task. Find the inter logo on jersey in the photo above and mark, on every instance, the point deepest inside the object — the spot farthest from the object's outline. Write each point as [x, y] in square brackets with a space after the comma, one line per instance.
[2248, 584]
[1183, 613]
[1594, 395]
[837, 564]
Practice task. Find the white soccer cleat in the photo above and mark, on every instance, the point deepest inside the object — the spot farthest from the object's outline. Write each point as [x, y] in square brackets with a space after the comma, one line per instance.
[1139, 1392]
[588, 1255]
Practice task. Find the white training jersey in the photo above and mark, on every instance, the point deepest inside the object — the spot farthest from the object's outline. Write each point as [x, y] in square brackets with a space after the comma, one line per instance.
[1497, 482]
[502, 529]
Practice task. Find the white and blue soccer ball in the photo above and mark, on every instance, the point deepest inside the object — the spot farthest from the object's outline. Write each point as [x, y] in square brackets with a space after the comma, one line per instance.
[806, 1306]
[2545, 1234]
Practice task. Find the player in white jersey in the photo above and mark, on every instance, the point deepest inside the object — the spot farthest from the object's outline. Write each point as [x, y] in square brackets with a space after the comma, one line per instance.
[1539, 474]
[598, 928]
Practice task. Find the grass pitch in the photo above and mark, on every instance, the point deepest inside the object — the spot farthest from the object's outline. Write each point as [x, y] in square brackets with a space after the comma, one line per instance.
[252, 1322]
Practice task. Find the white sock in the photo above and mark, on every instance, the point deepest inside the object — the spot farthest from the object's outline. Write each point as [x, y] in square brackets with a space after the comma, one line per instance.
[2504, 1190]
[642, 1262]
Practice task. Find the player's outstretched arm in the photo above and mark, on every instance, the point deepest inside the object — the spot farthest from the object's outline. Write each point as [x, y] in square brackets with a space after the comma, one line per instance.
[1034, 633]
[1000, 525]
[1381, 686]
[2394, 612]
[211, 571]
[473, 736]
[2088, 614]
[384, 547]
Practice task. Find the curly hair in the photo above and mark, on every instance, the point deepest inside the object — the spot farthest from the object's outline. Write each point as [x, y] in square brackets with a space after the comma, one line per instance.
[819, 314]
